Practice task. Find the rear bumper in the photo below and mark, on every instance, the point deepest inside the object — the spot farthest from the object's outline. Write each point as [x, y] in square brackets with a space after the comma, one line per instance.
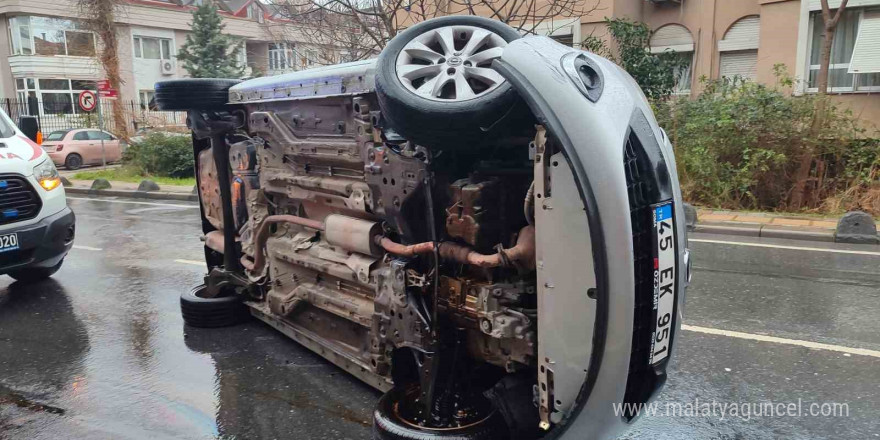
[57, 158]
[41, 244]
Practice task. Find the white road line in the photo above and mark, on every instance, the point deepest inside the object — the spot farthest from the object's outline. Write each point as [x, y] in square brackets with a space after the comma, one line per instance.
[86, 248]
[776, 340]
[134, 203]
[193, 262]
[779, 246]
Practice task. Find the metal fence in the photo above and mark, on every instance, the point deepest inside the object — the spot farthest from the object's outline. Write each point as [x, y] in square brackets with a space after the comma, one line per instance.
[53, 116]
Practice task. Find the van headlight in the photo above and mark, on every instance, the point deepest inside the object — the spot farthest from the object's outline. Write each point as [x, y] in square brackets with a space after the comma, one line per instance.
[47, 175]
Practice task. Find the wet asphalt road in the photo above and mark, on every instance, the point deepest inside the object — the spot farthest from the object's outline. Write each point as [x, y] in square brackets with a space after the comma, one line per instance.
[101, 352]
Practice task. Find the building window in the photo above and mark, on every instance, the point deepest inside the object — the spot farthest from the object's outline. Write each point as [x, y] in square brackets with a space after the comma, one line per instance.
[280, 56]
[308, 58]
[841, 78]
[50, 37]
[52, 96]
[739, 49]
[676, 39]
[151, 48]
[254, 12]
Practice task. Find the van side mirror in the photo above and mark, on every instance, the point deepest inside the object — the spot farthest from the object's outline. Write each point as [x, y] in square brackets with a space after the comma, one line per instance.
[30, 126]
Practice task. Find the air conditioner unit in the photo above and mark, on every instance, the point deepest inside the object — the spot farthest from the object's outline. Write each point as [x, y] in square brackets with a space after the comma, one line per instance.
[167, 67]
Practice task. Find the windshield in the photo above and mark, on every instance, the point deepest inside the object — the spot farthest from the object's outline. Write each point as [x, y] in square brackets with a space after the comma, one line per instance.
[56, 135]
[6, 127]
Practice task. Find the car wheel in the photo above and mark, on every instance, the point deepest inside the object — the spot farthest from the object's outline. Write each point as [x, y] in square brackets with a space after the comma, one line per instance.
[390, 423]
[73, 161]
[221, 311]
[35, 274]
[193, 93]
[436, 85]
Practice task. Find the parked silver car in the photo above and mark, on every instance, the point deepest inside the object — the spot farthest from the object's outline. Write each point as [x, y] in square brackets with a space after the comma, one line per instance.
[489, 228]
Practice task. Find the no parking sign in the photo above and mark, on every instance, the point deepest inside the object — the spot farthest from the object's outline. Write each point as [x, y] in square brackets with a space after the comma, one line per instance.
[87, 100]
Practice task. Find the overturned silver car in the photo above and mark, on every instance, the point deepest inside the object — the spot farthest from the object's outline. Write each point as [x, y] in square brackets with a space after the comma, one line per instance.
[486, 227]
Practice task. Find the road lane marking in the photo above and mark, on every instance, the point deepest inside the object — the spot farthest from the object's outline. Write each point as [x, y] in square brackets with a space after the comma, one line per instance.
[86, 248]
[785, 341]
[779, 246]
[134, 203]
[193, 262]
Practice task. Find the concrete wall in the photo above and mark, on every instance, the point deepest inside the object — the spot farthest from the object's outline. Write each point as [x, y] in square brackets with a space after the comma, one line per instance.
[7, 84]
[779, 38]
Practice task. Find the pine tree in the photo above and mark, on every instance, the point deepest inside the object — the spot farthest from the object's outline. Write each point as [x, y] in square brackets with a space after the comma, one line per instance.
[206, 52]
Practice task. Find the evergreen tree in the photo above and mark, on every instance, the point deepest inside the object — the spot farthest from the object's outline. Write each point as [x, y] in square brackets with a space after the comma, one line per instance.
[208, 52]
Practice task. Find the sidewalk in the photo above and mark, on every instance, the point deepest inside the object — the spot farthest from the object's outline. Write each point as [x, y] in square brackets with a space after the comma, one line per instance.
[768, 224]
[130, 189]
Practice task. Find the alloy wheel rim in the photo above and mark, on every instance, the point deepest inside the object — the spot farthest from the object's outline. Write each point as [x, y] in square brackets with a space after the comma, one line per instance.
[451, 63]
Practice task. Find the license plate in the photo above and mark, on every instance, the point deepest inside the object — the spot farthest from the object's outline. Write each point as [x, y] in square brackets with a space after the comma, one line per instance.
[664, 281]
[8, 242]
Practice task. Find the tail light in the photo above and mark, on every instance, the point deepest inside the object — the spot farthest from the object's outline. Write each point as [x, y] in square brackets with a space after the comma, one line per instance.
[59, 147]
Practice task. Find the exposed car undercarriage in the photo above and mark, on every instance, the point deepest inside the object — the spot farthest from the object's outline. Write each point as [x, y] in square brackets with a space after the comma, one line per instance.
[386, 251]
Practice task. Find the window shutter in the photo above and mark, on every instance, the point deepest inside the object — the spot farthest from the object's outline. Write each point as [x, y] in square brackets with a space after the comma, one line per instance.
[743, 35]
[743, 63]
[673, 37]
[866, 53]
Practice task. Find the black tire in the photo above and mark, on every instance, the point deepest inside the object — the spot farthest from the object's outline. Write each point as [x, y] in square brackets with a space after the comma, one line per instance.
[221, 311]
[193, 93]
[35, 274]
[73, 161]
[388, 426]
[439, 123]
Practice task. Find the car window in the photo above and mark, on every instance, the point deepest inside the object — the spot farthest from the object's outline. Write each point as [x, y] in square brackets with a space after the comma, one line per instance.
[57, 135]
[6, 127]
[81, 136]
[99, 135]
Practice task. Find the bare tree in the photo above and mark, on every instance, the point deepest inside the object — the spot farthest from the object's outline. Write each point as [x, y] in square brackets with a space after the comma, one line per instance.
[363, 27]
[100, 17]
[829, 22]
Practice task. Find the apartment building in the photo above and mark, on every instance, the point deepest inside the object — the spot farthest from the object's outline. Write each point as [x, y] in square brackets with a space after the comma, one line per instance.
[48, 55]
[723, 38]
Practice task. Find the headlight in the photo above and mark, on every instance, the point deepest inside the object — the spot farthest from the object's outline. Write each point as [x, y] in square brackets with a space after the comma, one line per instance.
[47, 175]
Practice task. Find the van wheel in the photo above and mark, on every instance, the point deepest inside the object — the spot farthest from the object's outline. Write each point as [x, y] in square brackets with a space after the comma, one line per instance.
[392, 421]
[193, 93]
[35, 274]
[436, 85]
[221, 311]
[73, 161]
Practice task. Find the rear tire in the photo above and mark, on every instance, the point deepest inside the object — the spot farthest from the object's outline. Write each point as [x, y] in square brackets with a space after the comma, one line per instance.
[222, 311]
[388, 425]
[193, 93]
[35, 274]
[73, 161]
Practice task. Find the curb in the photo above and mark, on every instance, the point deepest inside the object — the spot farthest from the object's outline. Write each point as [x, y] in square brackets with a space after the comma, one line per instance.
[766, 231]
[154, 195]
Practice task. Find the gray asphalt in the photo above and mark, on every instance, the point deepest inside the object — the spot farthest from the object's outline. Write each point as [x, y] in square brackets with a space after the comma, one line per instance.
[101, 352]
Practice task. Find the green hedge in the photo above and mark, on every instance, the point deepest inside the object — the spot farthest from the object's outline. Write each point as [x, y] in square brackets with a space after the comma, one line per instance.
[738, 145]
[162, 154]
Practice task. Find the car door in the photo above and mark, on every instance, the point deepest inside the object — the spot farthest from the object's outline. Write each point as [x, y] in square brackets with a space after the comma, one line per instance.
[110, 145]
[82, 145]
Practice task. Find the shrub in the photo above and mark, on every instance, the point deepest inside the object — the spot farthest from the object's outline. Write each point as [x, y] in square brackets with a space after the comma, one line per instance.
[162, 154]
[739, 143]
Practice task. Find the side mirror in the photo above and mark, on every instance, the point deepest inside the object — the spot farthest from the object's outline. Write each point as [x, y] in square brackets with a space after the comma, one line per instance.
[30, 126]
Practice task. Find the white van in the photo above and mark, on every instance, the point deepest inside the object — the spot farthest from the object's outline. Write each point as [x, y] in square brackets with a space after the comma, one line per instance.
[36, 226]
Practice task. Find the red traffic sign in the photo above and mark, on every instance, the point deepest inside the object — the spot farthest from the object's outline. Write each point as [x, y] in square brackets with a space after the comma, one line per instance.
[87, 100]
[109, 93]
[104, 84]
